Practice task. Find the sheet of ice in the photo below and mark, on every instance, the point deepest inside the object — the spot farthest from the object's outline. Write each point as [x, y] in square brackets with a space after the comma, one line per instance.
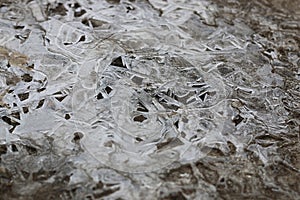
[124, 99]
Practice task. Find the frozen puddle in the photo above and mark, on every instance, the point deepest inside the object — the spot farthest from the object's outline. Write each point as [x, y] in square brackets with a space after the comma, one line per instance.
[149, 99]
[153, 110]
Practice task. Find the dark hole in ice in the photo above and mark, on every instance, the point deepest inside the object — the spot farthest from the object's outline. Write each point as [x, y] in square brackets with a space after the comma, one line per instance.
[129, 8]
[118, 62]
[21, 37]
[159, 98]
[176, 124]
[178, 98]
[142, 108]
[108, 89]
[194, 137]
[85, 22]
[76, 5]
[77, 137]
[199, 85]
[10, 121]
[67, 116]
[202, 96]
[39, 81]
[46, 40]
[267, 55]
[167, 92]
[100, 96]
[31, 66]
[61, 98]
[82, 38]
[237, 120]
[16, 115]
[14, 148]
[139, 139]
[212, 93]
[96, 23]
[139, 118]
[23, 96]
[67, 43]
[231, 147]
[26, 78]
[40, 104]
[98, 186]
[41, 89]
[79, 13]
[31, 150]
[59, 10]
[25, 109]
[18, 27]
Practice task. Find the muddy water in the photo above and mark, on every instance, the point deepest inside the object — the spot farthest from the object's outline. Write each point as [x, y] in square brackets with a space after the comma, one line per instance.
[149, 99]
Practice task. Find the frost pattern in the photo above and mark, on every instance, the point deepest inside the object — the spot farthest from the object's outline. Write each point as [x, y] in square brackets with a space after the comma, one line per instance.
[152, 99]
[152, 111]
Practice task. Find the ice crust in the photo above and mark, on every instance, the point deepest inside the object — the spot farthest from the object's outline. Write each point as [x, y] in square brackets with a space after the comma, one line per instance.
[124, 99]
